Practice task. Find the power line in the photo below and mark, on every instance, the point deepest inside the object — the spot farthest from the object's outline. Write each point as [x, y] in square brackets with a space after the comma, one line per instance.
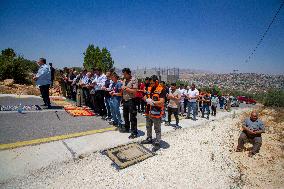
[266, 31]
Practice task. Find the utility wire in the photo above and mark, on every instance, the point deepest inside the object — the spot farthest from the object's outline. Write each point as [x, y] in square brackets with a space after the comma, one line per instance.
[266, 31]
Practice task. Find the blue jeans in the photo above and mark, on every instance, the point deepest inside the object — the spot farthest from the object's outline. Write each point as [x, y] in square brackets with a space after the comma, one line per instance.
[192, 106]
[221, 104]
[107, 100]
[114, 107]
[205, 108]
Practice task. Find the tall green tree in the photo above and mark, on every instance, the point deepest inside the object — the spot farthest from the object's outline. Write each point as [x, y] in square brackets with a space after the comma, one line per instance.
[107, 61]
[98, 58]
[95, 57]
[89, 57]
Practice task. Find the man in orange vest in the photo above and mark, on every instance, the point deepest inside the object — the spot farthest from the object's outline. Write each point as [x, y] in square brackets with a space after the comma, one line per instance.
[155, 99]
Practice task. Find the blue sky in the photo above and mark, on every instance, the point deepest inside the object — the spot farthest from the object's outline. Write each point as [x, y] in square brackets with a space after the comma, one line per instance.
[210, 35]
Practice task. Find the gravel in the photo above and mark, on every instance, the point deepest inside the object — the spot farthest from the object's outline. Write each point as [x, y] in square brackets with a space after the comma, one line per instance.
[195, 157]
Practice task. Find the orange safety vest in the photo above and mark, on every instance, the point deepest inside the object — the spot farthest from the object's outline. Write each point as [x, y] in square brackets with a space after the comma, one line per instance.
[154, 111]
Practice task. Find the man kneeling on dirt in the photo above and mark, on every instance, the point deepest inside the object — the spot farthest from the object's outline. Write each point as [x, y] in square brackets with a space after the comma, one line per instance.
[252, 129]
[155, 99]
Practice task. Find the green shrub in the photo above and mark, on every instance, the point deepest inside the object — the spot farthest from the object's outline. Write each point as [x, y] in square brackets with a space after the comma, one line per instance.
[274, 98]
[16, 67]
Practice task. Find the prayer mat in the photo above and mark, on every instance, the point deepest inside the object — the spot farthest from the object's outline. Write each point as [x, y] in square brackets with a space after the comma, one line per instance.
[82, 112]
[126, 155]
[71, 107]
[62, 103]
[57, 98]
[24, 108]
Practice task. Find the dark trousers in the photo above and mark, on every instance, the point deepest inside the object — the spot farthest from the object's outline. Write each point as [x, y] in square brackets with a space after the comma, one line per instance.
[44, 90]
[129, 109]
[86, 96]
[185, 104]
[100, 103]
[205, 107]
[214, 108]
[256, 141]
[221, 104]
[140, 103]
[107, 100]
[69, 90]
[175, 112]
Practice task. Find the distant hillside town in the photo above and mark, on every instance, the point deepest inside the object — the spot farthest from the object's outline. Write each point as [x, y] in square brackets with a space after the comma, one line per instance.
[249, 82]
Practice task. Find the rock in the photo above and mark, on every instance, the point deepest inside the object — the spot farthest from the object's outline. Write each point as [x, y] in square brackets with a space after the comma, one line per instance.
[8, 82]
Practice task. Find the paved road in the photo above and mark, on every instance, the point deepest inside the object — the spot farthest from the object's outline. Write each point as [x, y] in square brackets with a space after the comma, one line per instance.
[15, 127]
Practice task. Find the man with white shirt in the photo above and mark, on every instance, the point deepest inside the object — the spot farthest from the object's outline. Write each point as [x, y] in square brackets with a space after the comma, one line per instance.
[99, 83]
[43, 80]
[192, 96]
[182, 98]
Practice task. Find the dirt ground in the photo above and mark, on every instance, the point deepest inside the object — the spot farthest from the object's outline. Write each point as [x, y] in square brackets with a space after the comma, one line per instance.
[27, 89]
[266, 169]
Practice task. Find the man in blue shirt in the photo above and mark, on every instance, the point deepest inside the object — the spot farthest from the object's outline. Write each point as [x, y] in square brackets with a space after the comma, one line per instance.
[43, 80]
[252, 130]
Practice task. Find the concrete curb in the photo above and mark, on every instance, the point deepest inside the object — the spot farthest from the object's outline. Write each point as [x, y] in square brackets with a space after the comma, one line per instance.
[22, 161]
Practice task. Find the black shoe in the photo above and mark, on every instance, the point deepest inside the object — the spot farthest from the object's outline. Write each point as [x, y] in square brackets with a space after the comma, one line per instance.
[147, 141]
[48, 107]
[177, 126]
[123, 130]
[187, 117]
[132, 136]
[156, 147]
[44, 105]
[108, 118]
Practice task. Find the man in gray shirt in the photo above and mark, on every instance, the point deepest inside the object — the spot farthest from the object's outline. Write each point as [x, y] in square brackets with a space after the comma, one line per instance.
[252, 130]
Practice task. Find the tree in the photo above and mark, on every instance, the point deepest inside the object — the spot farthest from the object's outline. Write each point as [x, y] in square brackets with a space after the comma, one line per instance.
[17, 68]
[89, 57]
[107, 62]
[8, 53]
[98, 58]
[94, 57]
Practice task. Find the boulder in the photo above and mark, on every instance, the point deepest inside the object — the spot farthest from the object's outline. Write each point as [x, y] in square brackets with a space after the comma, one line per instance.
[8, 82]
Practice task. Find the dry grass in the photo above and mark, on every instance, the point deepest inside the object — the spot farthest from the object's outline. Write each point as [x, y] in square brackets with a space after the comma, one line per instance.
[27, 90]
[265, 170]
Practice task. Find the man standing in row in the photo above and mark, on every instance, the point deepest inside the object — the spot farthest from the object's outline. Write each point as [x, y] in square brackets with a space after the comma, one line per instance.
[192, 96]
[99, 83]
[129, 89]
[43, 80]
[174, 99]
[52, 72]
[155, 99]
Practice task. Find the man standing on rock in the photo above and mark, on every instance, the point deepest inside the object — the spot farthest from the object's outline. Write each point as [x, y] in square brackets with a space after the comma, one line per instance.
[252, 130]
[43, 80]
[155, 99]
